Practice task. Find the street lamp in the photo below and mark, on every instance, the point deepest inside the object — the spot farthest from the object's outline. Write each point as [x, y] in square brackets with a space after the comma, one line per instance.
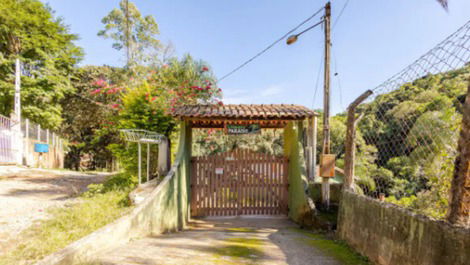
[327, 160]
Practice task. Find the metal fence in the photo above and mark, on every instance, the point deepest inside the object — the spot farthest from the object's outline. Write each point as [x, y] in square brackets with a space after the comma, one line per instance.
[30, 133]
[34, 132]
[408, 129]
[7, 150]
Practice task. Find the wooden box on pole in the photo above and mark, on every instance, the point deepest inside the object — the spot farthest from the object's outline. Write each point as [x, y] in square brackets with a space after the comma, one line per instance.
[327, 165]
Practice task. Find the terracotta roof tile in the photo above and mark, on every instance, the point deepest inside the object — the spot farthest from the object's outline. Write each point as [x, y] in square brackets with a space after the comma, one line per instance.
[243, 111]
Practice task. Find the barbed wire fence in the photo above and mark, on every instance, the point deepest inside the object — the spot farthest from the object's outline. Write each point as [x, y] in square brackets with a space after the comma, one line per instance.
[403, 138]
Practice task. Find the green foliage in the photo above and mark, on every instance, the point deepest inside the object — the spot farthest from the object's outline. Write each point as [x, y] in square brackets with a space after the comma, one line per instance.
[89, 126]
[211, 141]
[120, 182]
[67, 225]
[29, 31]
[149, 104]
[411, 135]
[131, 31]
[336, 248]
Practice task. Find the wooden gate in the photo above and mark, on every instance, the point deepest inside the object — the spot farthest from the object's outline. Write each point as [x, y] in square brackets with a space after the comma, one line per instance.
[239, 182]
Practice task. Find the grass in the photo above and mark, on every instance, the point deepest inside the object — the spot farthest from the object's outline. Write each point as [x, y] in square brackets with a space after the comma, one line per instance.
[335, 248]
[239, 251]
[242, 230]
[97, 208]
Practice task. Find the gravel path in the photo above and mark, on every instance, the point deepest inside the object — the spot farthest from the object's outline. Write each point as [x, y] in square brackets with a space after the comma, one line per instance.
[240, 240]
[25, 194]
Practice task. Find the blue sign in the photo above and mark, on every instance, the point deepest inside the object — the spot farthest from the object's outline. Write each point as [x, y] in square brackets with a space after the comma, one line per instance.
[41, 148]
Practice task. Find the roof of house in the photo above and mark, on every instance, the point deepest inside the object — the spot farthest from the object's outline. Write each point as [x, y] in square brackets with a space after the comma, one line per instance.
[245, 112]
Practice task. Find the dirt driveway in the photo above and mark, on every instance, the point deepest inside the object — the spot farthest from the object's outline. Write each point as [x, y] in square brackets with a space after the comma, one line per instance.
[240, 240]
[25, 194]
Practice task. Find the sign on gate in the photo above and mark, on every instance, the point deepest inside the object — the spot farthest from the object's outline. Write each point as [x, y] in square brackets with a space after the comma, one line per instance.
[242, 129]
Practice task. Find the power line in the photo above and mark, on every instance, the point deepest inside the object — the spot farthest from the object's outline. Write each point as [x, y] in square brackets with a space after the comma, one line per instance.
[270, 46]
[340, 14]
[339, 81]
[318, 81]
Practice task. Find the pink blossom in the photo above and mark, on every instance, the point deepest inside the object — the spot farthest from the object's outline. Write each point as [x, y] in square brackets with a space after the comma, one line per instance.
[96, 91]
[205, 69]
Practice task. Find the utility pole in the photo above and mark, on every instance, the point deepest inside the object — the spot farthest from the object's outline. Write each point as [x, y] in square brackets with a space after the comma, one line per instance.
[326, 84]
[327, 164]
[15, 48]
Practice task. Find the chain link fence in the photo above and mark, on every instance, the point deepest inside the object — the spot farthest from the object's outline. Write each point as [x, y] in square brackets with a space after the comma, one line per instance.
[408, 129]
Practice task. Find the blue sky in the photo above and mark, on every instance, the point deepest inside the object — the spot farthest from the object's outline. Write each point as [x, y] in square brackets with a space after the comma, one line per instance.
[372, 40]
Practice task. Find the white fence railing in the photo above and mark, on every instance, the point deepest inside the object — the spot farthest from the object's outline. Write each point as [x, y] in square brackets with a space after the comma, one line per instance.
[17, 144]
[8, 152]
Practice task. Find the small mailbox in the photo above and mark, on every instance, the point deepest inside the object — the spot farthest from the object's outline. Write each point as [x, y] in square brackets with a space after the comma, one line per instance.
[41, 148]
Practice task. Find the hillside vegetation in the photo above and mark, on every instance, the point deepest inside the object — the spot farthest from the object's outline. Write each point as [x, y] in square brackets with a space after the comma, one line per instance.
[407, 141]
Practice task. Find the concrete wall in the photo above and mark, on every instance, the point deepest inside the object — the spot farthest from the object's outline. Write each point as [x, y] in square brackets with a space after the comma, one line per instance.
[299, 210]
[53, 159]
[162, 211]
[391, 235]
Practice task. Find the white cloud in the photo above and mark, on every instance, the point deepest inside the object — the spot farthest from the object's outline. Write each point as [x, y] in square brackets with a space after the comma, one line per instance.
[272, 91]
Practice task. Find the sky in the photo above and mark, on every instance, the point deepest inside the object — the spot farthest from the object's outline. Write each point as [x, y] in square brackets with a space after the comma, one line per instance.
[371, 41]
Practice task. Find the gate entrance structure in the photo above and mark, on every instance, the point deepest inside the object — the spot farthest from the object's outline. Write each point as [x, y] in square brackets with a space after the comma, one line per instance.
[243, 182]
[240, 182]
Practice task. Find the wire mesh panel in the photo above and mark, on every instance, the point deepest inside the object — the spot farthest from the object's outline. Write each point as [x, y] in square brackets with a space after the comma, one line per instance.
[408, 130]
[142, 136]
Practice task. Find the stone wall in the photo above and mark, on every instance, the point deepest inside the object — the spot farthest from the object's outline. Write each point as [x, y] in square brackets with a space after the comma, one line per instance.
[391, 235]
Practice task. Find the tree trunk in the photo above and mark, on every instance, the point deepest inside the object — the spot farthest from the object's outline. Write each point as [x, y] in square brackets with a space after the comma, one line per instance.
[459, 212]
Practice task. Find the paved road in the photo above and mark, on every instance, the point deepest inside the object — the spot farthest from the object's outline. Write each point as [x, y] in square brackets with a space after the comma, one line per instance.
[241, 240]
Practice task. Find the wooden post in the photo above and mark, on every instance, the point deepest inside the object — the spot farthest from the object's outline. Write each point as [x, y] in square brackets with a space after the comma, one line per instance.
[350, 148]
[326, 82]
[140, 162]
[459, 205]
[314, 146]
[310, 150]
[26, 155]
[163, 157]
[148, 161]
[326, 105]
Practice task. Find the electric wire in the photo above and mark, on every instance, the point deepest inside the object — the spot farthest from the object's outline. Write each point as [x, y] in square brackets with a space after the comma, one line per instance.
[340, 14]
[271, 45]
[317, 82]
[338, 80]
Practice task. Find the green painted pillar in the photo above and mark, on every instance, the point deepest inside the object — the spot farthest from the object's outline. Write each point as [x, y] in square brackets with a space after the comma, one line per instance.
[183, 195]
[293, 149]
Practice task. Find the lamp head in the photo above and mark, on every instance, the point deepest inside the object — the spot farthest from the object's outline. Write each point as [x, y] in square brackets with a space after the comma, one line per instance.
[291, 39]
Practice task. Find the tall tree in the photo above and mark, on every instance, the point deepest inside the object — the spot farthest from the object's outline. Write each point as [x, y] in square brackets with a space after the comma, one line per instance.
[131, 31]
[29, 31]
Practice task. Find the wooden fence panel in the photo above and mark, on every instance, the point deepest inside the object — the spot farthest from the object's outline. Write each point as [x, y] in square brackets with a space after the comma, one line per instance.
[240, 182]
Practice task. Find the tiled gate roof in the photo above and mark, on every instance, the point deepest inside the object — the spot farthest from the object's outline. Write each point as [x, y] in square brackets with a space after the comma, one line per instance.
[245, 112]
